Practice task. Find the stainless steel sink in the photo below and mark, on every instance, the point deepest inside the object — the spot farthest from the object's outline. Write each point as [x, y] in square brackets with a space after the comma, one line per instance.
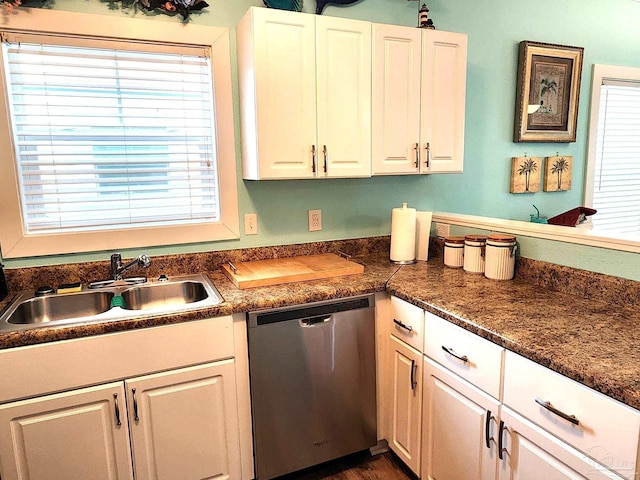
[59, 307]
[115, 301]
[163, 295]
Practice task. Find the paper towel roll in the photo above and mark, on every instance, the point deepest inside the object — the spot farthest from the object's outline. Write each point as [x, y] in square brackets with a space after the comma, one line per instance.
[403, 234]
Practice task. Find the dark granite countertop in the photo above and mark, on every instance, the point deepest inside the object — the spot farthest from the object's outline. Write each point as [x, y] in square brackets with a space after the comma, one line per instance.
[377, 271]
[591, 341]
[594, 342]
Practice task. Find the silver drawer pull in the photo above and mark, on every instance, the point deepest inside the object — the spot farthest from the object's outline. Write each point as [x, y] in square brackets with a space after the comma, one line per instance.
[450, 351]
[408, 328]
[554, 410]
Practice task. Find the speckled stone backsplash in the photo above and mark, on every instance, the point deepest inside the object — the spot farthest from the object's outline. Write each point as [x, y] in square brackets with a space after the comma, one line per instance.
[54, 275]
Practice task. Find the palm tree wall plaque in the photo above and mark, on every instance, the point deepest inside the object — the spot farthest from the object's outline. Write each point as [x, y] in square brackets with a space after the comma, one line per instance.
[557, 173]
[524, 174]
[527, 168]
[558, 167]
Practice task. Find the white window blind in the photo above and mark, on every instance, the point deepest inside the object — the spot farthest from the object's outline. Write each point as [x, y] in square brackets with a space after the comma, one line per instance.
[110, 134]
[616, 188]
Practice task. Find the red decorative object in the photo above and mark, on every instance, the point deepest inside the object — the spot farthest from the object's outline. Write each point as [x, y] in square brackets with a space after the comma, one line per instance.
[573, 217]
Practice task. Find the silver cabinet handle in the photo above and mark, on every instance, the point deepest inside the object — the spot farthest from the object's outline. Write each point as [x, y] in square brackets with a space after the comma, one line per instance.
[135, 406]
[569, 418]
[313, 159]
[417, 149]
[450, 351]
[408, 328]
[325, 152]
[427, 162]
[414, 382]
[117, 408]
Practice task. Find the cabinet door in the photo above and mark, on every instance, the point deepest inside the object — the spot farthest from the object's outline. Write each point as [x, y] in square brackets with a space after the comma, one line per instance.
[396, 99]
[531, 453]
[184, 423]
[80, 434]
[444, 74]
[459, 428]
[276, 60]
[406, 403]
[343, 49]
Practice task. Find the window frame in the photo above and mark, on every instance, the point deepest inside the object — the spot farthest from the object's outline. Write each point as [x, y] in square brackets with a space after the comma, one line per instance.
[600, 73]
[16, 243]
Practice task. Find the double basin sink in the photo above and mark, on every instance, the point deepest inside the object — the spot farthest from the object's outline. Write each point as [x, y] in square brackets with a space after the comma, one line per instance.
[114, 301]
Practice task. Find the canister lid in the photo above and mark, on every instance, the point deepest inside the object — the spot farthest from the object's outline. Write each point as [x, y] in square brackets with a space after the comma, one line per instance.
[454, 240]
[501, 238]
[475, 238]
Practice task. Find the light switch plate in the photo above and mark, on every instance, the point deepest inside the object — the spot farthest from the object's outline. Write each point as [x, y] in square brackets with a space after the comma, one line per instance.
[250, 223]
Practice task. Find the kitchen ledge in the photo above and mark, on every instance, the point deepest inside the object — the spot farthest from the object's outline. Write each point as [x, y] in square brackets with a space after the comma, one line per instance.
[591, 341]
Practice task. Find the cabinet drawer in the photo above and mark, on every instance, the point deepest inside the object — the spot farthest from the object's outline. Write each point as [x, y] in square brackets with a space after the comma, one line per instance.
[473, 358]
[602, 428]
[407, 323]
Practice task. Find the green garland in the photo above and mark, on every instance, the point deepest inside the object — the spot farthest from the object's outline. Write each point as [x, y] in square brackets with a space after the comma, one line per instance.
[171, 7]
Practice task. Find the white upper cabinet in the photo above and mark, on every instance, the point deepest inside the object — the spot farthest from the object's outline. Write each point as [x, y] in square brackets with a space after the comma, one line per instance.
[343, 63]
[305, 95]
[444, 83]
[396, 99]
[419, 84]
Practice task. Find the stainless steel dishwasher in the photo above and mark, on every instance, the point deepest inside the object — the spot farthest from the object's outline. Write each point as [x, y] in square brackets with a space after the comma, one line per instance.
[313, 383]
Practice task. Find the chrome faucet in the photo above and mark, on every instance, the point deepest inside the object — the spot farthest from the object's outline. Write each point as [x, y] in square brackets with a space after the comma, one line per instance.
[118, 269]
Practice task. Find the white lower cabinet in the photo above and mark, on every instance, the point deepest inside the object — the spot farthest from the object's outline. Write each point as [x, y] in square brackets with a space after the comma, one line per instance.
[163, 403]
[459, 428]
[529, 453]
[490, 414]
[184, 423]
[81, 434]
[181, 425]
[406, 403]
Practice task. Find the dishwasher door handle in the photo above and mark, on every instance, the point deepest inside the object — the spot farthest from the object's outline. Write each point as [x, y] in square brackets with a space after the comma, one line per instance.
[313, 321]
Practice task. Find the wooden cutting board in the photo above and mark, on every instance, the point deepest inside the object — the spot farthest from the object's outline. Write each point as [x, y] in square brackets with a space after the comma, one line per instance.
[261, 273]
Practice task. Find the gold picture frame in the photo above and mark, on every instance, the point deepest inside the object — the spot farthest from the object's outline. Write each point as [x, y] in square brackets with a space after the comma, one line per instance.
[547, 93]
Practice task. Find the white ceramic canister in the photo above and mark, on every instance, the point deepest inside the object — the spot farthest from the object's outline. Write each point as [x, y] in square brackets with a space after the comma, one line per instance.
[474, 251]
[500, 257]
[454, 252]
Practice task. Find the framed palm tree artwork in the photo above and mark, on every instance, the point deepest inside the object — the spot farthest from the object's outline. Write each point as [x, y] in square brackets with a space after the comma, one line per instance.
[547, 93]
[525, 174]
[557, 174]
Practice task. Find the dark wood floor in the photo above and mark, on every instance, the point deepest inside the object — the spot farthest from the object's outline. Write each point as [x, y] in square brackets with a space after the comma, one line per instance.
[359, 466]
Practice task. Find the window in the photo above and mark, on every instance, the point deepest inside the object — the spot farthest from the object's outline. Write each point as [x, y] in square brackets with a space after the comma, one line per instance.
[117, 141]
[613, 171]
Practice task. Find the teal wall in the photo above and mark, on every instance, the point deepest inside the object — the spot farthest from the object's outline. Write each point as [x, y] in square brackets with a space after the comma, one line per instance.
[610, 33]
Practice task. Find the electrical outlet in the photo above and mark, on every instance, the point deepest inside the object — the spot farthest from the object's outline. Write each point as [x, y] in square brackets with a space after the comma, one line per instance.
[443, 229]
[250, 223]
[315, 220]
